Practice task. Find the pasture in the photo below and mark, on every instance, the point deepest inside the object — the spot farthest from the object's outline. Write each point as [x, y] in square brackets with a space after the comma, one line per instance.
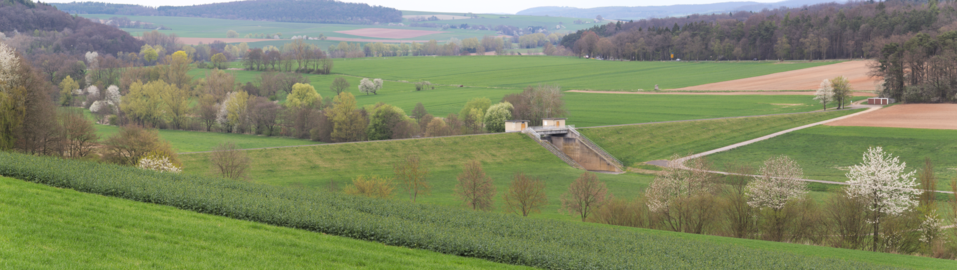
[47, 227]
[827, 152]
[198, 141]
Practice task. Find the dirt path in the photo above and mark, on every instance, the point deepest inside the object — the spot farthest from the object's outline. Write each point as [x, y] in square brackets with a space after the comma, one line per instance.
[802, 79]
[715, 93]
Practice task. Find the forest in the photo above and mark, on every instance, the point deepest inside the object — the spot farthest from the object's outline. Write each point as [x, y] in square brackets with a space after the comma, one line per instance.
[54, 31]
[312, 11]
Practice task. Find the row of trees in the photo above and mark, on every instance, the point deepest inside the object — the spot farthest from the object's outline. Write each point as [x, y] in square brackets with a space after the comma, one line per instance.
[919, 69]
[884, 208]
[316, 11]
[822, 31]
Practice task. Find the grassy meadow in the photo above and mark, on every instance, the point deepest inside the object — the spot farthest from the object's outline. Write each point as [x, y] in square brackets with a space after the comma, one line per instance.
[636, 144]
[197, 141]
[501, 155]
[47, 227]
[827, 152]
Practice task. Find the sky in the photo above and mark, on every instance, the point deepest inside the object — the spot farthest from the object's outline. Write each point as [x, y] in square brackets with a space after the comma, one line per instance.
[486, 6]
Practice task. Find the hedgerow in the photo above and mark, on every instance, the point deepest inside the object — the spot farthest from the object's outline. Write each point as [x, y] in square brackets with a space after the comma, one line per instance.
[492, 236]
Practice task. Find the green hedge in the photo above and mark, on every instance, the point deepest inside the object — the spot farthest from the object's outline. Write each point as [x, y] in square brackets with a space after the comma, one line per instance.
[492, 236]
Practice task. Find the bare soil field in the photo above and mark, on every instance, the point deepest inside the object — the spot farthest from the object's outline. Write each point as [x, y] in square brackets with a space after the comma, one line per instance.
[732, 93]
[802, 79]
[197, 41]
[388, 33]
[928, 116]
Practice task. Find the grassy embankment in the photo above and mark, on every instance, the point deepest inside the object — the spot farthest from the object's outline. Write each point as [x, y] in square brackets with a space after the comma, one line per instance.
[502, 155]
[827, 152]
[46, 227]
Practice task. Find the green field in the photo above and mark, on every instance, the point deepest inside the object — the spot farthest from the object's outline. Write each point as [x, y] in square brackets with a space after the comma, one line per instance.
[826, 152]
[196, 141]
[502, 155]
[569, 72]
[635, 144]
[46, 227]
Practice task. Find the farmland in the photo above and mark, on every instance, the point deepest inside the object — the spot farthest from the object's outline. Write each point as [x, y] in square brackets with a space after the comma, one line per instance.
[196, 141]
[493, 236]
[46, 227]
[826, 152]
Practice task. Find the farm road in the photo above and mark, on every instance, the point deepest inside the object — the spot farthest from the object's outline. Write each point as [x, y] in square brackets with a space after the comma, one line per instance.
[681, 161]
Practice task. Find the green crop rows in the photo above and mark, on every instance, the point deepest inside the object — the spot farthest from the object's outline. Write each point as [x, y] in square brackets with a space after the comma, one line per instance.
[44, 227]
[496, 237]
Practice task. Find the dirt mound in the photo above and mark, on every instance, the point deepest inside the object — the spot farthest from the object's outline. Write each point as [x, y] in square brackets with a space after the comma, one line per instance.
[929, 116]
[802, 79]
[388, 33]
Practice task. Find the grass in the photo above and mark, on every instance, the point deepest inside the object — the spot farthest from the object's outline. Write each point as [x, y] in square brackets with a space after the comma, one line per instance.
[197, 141]
[46, 227]
[827, 152]
[569, 72]
[635, 144]
[502, 155]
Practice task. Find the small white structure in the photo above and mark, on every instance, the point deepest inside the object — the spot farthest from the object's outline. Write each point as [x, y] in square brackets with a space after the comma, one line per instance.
[879, 101]
[515, 125]
[553, 122]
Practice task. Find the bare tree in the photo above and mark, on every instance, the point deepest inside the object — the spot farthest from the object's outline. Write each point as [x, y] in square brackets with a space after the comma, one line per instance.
[80, 134]
[525, 195]
[229, 161]
[208, 110]
[741, 216]
[584, 195]
[412, 176]
[474, 187]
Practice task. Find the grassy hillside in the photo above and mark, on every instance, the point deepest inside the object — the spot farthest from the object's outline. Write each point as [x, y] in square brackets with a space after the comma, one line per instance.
[569, 72]
[46, 227]
[502, 155]
[197, 141]
[635, 144]
[826, 152]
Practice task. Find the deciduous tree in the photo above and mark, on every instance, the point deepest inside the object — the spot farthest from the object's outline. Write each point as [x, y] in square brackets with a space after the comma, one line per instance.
[684, 198]
[584, 195]
[778, 184]
[371, 186]
[825, 93]
[348, 124]
[303, 95]
[887, 190]
[228, 161]
[339, 85]
[80, 135]
[132, 143]
[842, 91]
[66, 91]
[412, 177]
[525, 195]
[474, 188]
[496, 116]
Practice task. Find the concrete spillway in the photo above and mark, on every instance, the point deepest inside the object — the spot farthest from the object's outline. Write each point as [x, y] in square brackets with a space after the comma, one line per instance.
[575, 149]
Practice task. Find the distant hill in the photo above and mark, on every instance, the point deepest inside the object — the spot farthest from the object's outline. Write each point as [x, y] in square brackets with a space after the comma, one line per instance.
[311, 11]
[76, 35]
[635, 13]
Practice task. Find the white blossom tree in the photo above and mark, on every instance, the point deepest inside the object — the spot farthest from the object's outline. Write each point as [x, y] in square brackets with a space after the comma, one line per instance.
[92, 90]
[114, 98]
[8, 66]
[825, 93]
[881, 181]
[778, 183]
[366, 86]
[157, 163]
[92, 64]
[683, 196]
[222, 115]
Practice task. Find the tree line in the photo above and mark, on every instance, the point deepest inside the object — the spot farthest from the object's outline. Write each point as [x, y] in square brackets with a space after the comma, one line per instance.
[313, 11]
[48, 30]
[822, 31]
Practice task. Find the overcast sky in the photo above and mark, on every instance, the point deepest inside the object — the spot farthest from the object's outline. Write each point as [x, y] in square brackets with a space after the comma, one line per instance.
[486, 6]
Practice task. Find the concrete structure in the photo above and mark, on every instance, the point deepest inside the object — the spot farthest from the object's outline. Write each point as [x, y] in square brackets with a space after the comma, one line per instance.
[553, 122]
[879, 101]
[515, 125]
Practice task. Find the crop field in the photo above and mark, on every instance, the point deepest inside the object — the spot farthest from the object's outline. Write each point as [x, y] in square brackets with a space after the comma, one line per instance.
[47, 227]
[827, 152]
[569, 72]
[521, 21]
[493, 236]
[502, 155]
[635, 144]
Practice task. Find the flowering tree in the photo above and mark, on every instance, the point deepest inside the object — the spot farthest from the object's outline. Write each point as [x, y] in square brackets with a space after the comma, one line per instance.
[369, 86]
[8, 66]
[684, 198]
[825, 93]
[881, 182]
[777, 184]
[92, 90]
[157, 163]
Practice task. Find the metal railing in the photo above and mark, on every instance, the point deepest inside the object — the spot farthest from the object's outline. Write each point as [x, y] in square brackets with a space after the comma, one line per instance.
[597, 149]
[552, 148]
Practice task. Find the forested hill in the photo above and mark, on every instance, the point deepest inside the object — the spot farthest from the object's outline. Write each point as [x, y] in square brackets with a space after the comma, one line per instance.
[644, 12]
[311, 11]
[25, 24]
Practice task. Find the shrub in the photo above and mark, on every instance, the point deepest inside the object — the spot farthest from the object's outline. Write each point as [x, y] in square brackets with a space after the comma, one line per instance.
[492, 236]
[371, 186]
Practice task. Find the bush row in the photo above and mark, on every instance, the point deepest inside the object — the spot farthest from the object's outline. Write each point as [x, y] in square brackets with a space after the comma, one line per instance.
[492, 236]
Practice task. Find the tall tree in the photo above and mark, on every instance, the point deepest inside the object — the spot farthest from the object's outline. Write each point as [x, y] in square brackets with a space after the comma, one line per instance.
[525, 195]
[412, 177]
[584, 195]
[881, 181]
[474, 188]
